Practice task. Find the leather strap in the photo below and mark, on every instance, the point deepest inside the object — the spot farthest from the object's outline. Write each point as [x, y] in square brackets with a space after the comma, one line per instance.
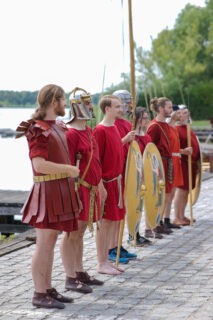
[161, 130]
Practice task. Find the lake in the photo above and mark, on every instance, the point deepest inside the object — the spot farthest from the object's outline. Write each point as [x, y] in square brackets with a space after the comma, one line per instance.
[15, 165]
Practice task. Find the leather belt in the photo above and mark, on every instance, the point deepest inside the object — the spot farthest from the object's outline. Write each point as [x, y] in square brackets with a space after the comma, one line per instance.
[50, 177]
[92, 203]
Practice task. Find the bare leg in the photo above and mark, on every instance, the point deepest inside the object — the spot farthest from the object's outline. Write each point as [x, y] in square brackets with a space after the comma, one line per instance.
[72, 250]
[147, 226]
[168, 204]
[103, 236]
[180, 202]
[114, 240]
[43, 259]
[68, 254]
[82, 225]
[49, 271]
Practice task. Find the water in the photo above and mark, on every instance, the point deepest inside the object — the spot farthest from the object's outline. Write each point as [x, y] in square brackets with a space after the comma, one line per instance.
[15, 165]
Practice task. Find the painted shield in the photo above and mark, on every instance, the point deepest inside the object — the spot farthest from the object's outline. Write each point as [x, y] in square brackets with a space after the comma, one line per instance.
[154, 180]
[134, 187]
[198, 179]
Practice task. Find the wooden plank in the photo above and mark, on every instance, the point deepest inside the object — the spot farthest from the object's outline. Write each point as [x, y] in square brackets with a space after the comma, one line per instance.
[22, 240]
[13, 228]
[9, 211]
[12, 197]
[15, 247]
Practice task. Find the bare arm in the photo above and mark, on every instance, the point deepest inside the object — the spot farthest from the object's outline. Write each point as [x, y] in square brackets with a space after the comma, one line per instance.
[48, 167]
[102, 192]
[128, 138]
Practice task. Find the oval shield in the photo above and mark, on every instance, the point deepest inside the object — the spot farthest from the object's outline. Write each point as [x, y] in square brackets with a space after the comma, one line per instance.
[154, 180]
[134, 187]
[198, 179]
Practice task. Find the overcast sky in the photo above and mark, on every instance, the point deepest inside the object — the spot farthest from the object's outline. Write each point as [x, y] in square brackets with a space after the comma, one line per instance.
[68, 42]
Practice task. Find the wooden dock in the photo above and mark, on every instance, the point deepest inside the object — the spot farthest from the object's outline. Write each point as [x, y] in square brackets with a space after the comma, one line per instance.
[11, 203]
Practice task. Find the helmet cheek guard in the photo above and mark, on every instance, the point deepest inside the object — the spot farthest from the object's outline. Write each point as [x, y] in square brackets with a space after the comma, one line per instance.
[81, 105]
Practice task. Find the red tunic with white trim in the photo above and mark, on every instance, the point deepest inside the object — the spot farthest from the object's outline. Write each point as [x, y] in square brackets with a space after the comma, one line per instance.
[160, 135]
[182, 131]
[176, 158]
[111, 157]
[80, 141]
[51, 204]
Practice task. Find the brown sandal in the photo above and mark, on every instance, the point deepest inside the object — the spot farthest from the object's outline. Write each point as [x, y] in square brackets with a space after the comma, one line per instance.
[76, 285]
[85, 278]
[57, 296]
[44, 300]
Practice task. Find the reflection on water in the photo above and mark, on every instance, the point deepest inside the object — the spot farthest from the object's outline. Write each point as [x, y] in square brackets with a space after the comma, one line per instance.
[15, 165]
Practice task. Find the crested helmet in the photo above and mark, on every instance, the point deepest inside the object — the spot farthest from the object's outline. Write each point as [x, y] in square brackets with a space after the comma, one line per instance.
[81, 105]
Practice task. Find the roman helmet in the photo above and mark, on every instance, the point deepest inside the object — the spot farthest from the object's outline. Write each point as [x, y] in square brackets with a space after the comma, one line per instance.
[126, 100]
[183, 107]
[81, 105]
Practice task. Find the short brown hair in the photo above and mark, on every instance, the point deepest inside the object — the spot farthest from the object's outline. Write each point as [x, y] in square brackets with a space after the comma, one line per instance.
[158, 102]
[45, 97]
[106, 101]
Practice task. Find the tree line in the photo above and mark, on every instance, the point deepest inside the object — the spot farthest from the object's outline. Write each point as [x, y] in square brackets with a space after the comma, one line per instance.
[179, 64]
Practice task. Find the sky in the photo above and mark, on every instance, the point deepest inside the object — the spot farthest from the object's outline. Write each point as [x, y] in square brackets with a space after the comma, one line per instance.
[71, 42]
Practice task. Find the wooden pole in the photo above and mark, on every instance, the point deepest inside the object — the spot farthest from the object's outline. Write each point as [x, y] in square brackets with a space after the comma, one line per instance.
[132, 62]
[102, 93]
[190, 172]
[133, 94]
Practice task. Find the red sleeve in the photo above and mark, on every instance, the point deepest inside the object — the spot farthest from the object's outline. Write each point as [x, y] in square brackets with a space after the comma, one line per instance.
[38, 147]
[72, 141]
[153, 132]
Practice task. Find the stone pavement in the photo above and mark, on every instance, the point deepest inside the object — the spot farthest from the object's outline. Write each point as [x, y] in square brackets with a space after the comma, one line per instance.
[172, 279]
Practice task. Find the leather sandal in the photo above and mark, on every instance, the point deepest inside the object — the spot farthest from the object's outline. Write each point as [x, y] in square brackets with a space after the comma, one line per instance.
[75, 285]
[85, 278]
[153, 234]
[57, 296]
[44, 300]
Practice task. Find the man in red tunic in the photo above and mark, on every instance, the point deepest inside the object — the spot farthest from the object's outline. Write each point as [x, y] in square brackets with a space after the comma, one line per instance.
[52, 204]
[111, 157]
[181, 195]
[176, 162]
[82, 144]
[127, 135]
[158, 130]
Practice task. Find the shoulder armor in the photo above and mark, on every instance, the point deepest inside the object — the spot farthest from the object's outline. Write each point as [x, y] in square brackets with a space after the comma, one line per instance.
[32, 129]
[61, 124]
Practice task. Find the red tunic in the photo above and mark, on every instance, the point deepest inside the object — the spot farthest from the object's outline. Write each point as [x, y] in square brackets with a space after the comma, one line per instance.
[182, 131]
[124, 126]
[51, 204]
[160, 135]
[143, 141]
[111, 157]
[176, 158]
[80, 141]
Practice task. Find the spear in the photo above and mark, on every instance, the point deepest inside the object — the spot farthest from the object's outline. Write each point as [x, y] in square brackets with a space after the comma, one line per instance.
[132, 73]
[190, 172]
